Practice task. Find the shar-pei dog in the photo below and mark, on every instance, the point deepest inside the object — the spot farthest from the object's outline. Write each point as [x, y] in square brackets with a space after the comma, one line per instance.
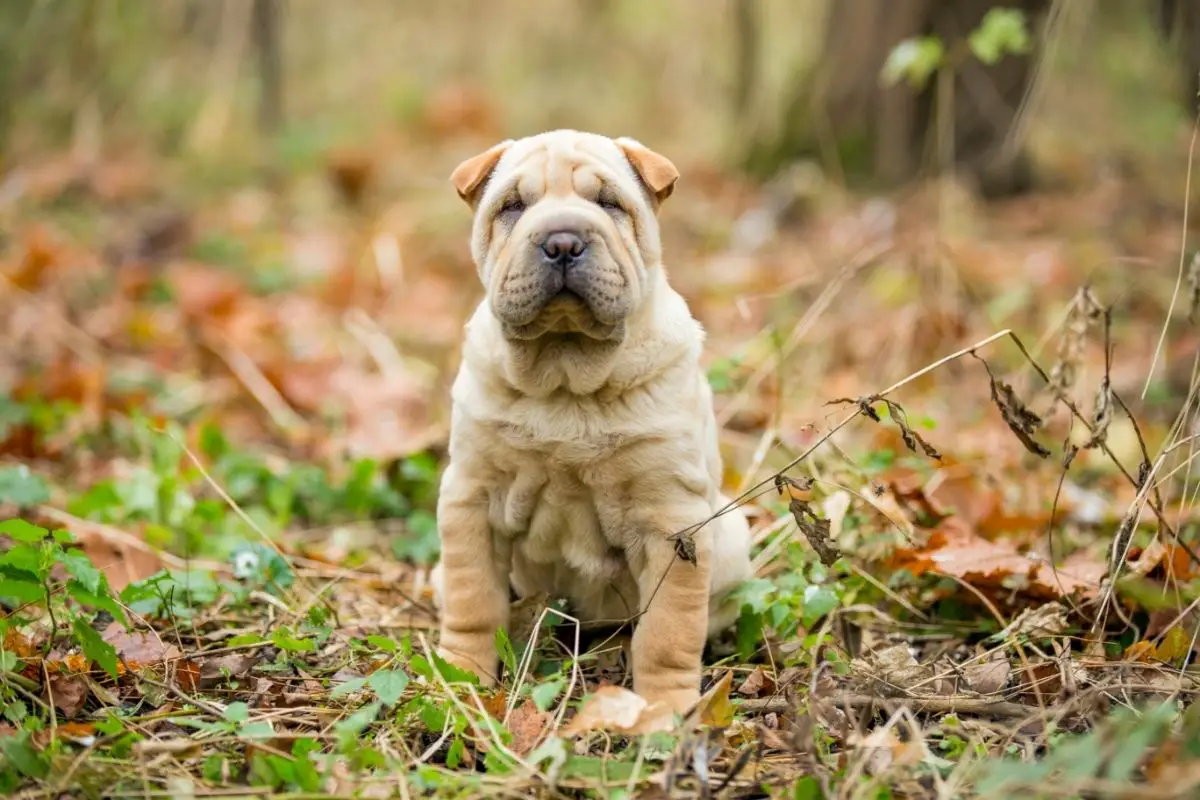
[583, 440]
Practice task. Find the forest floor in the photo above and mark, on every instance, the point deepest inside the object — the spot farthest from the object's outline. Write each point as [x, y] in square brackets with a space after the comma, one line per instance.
[964, 434]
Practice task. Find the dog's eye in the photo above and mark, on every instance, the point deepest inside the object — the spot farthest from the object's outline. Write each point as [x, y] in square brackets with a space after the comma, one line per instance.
[609, 204]
[513, 205]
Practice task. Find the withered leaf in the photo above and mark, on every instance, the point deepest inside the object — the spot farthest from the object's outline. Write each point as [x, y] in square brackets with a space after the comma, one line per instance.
[68, 692]
[1020, 420]
[612, 708]
[685, 546]
[1193, 282]
[816, 530]
[864, 405]
[912, 439]
[757, 684]
[215, 671]
[527, 724]
[1102, 415]
[782, 482]
[140, 647]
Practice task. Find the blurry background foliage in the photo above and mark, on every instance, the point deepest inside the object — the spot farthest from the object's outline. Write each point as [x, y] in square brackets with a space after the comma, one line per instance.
[751, 83]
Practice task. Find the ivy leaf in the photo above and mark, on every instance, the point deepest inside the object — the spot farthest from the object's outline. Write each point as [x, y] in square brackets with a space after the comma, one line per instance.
[21, 530]
[384, 643]
[94, 647]
[388, 685]
[21, 487]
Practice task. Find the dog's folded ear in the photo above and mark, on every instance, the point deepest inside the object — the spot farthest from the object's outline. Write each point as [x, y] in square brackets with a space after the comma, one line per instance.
[656, 171]
[471, 176]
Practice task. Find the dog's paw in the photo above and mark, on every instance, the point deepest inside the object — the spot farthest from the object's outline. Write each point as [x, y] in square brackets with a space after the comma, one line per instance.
[679, 700]
[473, 664]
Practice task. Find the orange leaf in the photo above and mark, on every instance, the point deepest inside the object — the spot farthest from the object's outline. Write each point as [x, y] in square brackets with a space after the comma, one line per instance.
[1140, 651]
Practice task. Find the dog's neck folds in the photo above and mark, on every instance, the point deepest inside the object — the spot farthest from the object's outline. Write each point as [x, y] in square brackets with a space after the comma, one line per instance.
[657, 334]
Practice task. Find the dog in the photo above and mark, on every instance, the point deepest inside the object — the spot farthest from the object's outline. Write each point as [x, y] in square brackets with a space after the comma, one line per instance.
[582, 437]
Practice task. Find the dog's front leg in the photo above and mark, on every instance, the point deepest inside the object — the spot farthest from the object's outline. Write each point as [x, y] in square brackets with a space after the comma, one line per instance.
[474, 581]
[668, 639]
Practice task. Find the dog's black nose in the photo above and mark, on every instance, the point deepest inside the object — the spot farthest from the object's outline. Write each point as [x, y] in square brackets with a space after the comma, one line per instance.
[563, 248]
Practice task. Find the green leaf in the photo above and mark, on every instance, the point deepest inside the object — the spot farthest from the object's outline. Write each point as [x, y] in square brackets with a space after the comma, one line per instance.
[110, 725]
[818, 601]
[243, 639]
[21, 487]
[22, 531]
[544, 693]
[388, 685]
[236, 712]
[384, 643]
[756, 593]
[455, 753]
[22, 755]
[348, 730]
[8, 660]
[103, 602]
[256, 730]
[22, 590]
[914, 60]
[94, 647]
[81, 568]
[25, 557]
[286, 641]
[348, 687]
[749, 632]
[1002, 32]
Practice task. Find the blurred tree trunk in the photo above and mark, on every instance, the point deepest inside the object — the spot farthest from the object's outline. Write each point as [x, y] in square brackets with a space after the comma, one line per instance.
[1180, 21]
[847, 114]
[747, 45]
[270, 64]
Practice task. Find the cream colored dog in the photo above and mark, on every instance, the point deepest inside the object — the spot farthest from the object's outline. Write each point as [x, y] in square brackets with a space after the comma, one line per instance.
[582, 435]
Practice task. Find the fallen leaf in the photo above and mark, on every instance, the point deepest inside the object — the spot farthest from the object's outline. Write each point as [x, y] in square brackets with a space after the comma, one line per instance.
[1141, 651]
[69, 693]
[81, 733]
[612, 708]
[757, 684]
[527, 724]
[139, 647]
[217, 670]
[187, 674]
[988, 677]
[1176, 643]
[715, 709]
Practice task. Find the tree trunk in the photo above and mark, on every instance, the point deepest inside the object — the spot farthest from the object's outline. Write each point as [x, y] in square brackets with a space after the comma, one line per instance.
[848, 114]
[270, 65]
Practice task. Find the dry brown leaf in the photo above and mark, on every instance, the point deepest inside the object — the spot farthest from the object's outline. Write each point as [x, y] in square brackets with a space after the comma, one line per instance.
[139, 647]
[217, 670]
[69, 693]
[612, 708]
[988, 677]
[527, 725]
[757, 684]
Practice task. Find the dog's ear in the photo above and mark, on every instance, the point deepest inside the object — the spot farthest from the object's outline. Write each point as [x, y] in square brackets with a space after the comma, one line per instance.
[470, 176]
[656, 171]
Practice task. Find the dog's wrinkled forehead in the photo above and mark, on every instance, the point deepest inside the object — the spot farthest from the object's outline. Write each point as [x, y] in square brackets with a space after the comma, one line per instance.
[548, 164]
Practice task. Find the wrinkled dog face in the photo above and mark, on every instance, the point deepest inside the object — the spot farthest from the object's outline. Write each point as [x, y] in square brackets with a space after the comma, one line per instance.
[565, 234]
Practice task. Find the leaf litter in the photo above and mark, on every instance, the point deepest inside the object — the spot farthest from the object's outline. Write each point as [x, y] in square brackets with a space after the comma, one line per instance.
[896, 653]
